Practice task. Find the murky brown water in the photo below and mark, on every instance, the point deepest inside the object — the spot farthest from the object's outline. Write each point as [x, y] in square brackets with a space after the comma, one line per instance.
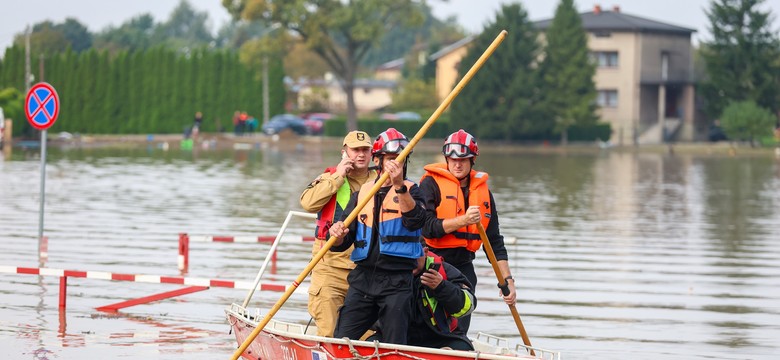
[618, 255]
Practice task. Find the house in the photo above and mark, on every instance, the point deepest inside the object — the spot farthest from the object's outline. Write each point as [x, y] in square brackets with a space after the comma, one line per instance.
[447, 62]
[390, 70]
[370, 94]
[644, 74]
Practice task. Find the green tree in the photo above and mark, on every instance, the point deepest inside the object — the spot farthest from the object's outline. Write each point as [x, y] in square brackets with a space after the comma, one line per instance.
[186, 29]
[502, 101]
[77, 34]
[339, 32]
[44, 39]
[399, 41]
[134, 34]
[745, 120]
[742, 57]
[569, 91]
[415, 93]
[12, 103]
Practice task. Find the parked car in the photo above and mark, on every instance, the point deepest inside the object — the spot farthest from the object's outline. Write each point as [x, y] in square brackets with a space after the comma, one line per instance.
[401, 115]
[278, 123]
[716, 132]
[408, 115]
[388, 116]
[315, 122]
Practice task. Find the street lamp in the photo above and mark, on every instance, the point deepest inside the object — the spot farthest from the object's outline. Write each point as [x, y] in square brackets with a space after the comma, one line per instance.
[266, 109]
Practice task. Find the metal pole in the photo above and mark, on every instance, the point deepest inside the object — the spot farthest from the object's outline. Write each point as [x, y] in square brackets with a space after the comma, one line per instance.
[272, 252]
[43, 186]
[266, 114]
[27, 74]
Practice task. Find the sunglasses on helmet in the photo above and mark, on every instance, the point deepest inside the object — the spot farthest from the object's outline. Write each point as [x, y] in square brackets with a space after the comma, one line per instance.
[395, 146]
[457, 150]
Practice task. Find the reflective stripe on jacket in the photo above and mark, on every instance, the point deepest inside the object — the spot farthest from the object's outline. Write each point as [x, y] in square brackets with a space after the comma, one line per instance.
[332, 209]
[452, 204]
[439, 318]
[394, 238]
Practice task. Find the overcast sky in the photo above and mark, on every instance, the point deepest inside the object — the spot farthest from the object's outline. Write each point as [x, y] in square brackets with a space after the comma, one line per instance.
[472, 14]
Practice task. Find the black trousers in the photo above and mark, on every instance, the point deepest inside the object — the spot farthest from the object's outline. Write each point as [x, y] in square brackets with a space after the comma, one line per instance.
[468, 271]
[376, 295]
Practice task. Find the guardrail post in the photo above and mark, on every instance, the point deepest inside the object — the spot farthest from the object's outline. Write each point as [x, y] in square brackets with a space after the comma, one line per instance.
[273, 262]
[43, 249]
[184, 251]
[63, 290]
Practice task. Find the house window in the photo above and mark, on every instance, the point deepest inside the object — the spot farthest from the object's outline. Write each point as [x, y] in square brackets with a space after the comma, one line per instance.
[607, 98]
[608, 59]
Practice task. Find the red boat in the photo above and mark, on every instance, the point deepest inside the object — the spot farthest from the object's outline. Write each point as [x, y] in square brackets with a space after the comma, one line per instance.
[287, 341]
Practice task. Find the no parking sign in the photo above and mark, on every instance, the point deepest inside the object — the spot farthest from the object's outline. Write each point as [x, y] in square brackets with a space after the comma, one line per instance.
[42, 106]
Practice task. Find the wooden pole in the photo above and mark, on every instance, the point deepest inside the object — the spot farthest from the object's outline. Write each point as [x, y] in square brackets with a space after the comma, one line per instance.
[502, 284]
[405, 152]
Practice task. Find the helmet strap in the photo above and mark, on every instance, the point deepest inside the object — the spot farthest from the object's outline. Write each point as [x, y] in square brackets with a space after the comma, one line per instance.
[378, 166]
[382, 159]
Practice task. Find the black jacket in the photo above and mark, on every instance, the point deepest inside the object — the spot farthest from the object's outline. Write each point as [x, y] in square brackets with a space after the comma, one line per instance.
[450, 295]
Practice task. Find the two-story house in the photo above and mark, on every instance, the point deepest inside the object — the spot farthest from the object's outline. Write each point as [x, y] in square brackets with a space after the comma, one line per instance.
[644, 74]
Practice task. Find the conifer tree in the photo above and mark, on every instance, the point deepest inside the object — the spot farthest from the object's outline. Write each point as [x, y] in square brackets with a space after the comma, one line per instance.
[742, 57]
[499, 102]
[569, 90]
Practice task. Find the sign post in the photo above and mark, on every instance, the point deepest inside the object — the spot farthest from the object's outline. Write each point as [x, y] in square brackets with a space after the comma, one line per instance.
[41, 107]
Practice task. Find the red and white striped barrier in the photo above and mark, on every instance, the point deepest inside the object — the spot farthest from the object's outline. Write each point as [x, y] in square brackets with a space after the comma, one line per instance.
[185, 240]
[155, 279]
[247, 239]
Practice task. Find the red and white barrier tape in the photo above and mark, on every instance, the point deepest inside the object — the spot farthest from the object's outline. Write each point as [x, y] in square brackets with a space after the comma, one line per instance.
[249, 239]
[155, 279]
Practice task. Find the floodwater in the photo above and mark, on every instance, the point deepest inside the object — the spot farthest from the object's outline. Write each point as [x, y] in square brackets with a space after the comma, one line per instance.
[617, 255]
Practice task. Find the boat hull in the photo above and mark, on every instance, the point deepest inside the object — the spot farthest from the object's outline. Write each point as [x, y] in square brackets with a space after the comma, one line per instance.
[286, 341]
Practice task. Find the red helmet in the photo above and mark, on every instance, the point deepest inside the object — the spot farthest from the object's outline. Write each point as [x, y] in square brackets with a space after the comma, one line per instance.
[391, 141]
[459, 145]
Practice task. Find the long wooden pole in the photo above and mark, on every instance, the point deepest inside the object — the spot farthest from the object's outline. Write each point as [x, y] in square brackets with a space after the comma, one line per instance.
[502, 284]
[405, 152]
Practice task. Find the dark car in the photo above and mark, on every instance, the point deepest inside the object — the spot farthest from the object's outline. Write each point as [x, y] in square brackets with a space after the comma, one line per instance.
[716, 132]
[281, 122]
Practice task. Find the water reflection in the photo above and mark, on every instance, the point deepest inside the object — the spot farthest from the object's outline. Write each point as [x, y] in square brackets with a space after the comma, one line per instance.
[617, 253]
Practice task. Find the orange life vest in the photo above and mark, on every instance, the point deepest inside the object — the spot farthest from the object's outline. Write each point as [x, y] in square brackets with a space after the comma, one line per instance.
[452, 204]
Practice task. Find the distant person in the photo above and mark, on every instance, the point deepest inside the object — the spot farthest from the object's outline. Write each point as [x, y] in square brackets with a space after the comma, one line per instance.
[237, 130]
[251, 124]
[328, 195]
[2, 128]
[385, 236]
[242, 119]
[716, 132]
[196, 124]
[457, 198]
[777, 129]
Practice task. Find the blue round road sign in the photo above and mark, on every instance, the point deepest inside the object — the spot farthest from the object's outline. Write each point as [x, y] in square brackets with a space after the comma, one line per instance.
[42, 106]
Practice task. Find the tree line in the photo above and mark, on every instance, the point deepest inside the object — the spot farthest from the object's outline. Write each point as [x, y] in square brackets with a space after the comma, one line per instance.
[147, 91]
[527, 90]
